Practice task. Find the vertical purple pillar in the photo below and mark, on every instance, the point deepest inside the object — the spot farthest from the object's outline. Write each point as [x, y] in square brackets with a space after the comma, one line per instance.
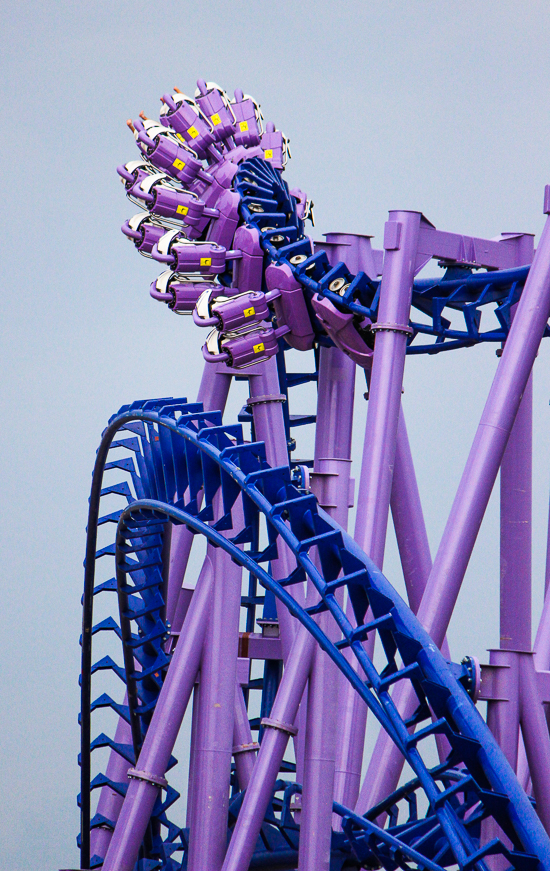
[515, 578]
[280, 726]
[214, 739]
[244, 748]
[392, 328]
[535, 735]
[400, 243]
[266, 404]
[478, 477]
[330, 482]
[408, 520]
[515, 530]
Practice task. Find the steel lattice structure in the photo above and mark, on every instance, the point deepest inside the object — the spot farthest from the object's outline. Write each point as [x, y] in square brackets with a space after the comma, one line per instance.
[283, 584]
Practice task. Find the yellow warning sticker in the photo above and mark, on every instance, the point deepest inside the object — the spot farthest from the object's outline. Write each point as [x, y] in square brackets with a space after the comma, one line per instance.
[180, 137]
[179, 164]
[243, 125]
[193, 132]
[206, 261]
[258, 348]
[268, 153]
[248, 312]
[216, 119]
[182, 210]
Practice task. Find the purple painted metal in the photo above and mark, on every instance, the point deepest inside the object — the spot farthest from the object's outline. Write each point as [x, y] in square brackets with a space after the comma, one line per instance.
[477, 481]
[266, 403]
[275, 738]
[330, 482]
[244, 747]
[408, 519]
[516, 474]
[214, 741]
[163, 729]
[213, 392]
[535, 736]
[373, 502]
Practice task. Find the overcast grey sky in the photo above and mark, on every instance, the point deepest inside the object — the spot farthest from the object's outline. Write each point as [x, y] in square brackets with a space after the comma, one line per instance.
[439, 106]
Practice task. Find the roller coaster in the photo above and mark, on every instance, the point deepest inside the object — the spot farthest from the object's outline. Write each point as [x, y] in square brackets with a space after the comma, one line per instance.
[288, 637]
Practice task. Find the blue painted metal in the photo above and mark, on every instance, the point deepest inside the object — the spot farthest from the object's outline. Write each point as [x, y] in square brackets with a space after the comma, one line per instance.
[175, 447]
[460, 289]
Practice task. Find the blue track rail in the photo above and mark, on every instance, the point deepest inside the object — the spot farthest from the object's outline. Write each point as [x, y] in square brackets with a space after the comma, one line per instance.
[176, 448]
[267, 205]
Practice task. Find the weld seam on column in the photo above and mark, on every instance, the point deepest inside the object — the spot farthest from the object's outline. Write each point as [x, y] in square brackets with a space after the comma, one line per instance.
[155, 779]
[277, 724]
[392, 328]
[262, 400]
[245, 748]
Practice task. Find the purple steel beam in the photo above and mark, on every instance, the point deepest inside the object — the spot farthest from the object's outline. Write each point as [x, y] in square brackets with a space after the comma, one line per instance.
[408, 520]
[476, 483]
[400, 243]
[163, 729]
[541, 659]
[330, 482]
[516, 474]
[266, 403]
[214, 739]
[191, 780]
[280, 726]
[244, 747]
[503, 711]
[535, 735]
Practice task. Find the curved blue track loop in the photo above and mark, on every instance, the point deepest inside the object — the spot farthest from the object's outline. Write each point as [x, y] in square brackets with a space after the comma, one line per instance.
[194, 453]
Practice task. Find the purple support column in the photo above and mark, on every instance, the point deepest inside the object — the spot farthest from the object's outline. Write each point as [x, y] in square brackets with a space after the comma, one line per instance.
[244, 748]
[163, 731]
[330, 483]
[408, 520]
[515, 578]
[400, 242]
[214, 739]
[515, 530]
[412, 541]
[192, 757]
[535, 735]
[266, 404]
[272, 749]
[479, 476]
